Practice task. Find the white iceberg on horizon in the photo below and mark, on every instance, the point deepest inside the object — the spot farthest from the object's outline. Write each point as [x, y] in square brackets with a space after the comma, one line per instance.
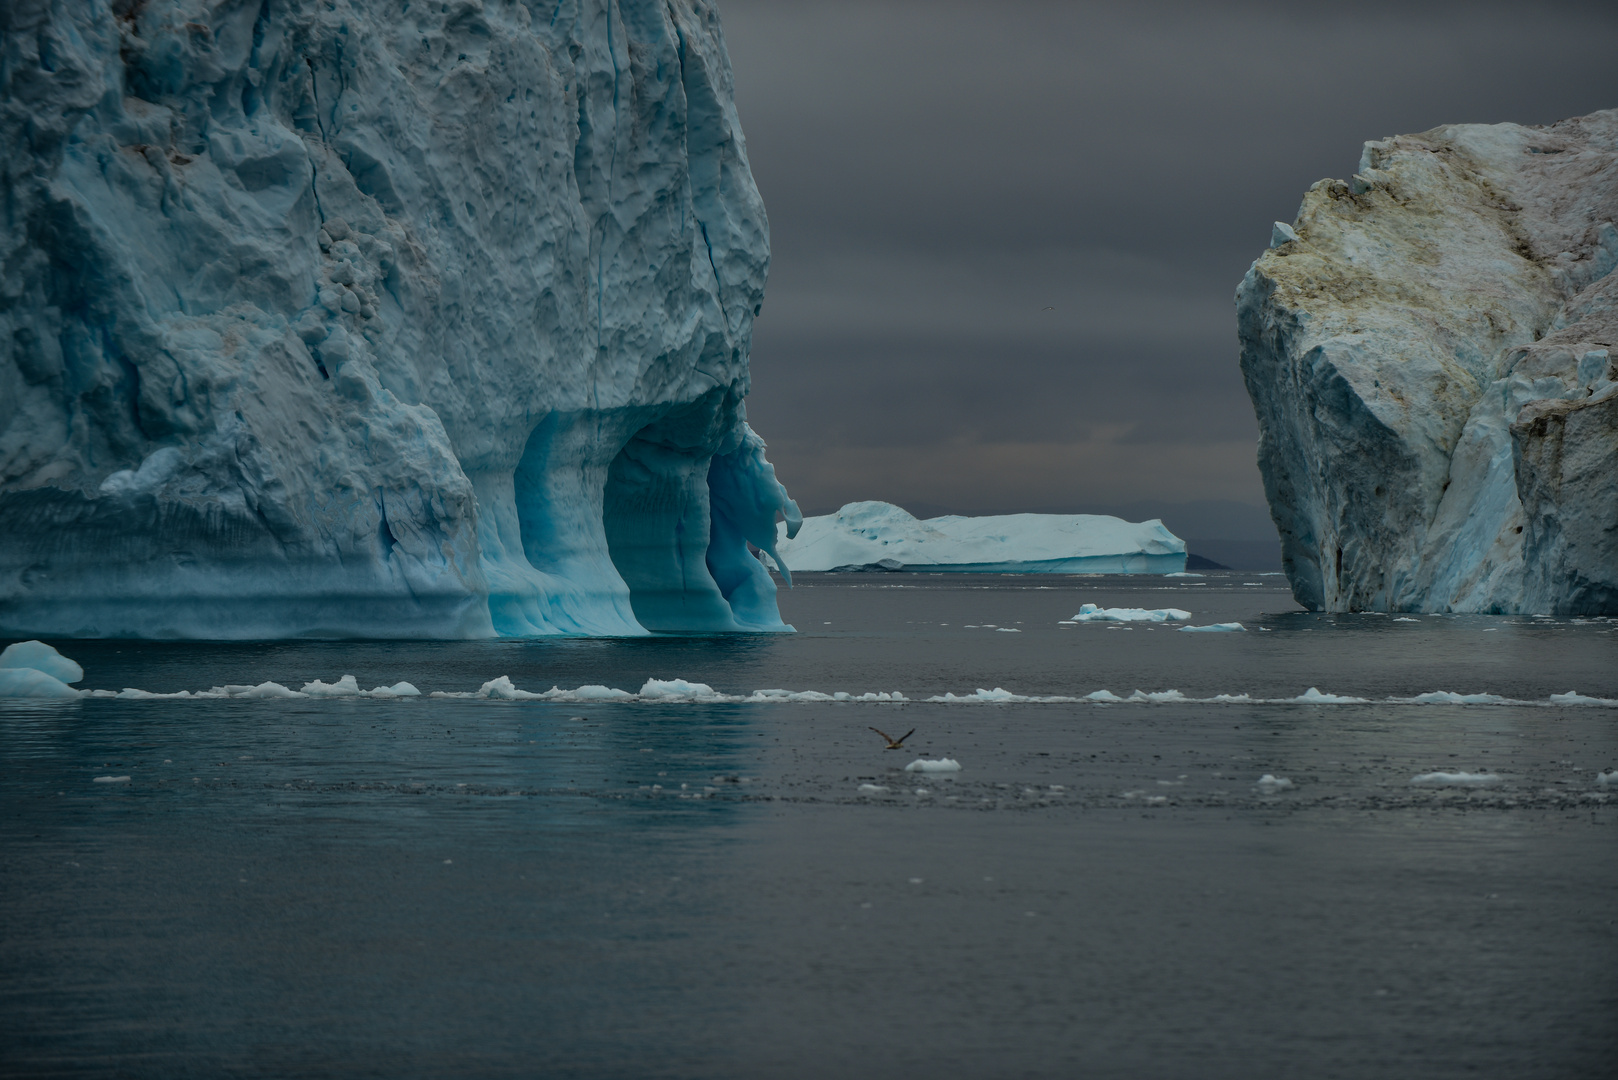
[882, 536]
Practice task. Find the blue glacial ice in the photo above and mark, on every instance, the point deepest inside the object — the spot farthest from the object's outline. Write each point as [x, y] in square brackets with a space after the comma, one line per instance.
[32, 669]
[881, 536]
[325, 321]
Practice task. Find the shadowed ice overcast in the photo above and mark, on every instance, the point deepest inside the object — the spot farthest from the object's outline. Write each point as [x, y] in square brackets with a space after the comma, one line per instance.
[1007, 235]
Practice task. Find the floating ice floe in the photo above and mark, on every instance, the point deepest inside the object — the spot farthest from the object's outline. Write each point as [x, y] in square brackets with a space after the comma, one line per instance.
[32, 669]
[942, 765]
[1456, 779]
[1572, 698]
[1313, 696]
[872, 789]
[110, 780]
[1092, 613]
[347, 686]
[1445, 697]
[1608, 779]
[41, 657]
[1214, 628]
[18, 681]
[35, 684]
[767, 696]
[1403, 618]
[1269, 784]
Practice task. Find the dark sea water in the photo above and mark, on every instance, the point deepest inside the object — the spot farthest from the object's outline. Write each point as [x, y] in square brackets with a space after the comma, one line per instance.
[432, 886]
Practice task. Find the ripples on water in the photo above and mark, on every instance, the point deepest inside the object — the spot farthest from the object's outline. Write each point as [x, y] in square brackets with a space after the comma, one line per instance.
[701, 888]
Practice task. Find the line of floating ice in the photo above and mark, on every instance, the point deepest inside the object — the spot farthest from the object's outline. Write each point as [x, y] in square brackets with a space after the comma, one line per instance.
[677, 691]
[681, 691]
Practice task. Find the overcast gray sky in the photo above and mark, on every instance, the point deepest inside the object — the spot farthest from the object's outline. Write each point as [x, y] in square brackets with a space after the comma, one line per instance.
[939, 174]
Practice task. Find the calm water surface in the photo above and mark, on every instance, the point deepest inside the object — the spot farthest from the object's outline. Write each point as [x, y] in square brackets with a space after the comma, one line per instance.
[490, 888]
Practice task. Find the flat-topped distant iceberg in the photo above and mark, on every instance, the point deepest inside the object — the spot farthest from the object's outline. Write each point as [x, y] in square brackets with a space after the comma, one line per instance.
[879, 535]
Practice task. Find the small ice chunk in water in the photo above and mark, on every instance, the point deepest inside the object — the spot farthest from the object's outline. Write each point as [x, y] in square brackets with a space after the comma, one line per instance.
[344, 687]
[1447, 697]
[1007, 630]
[1455, 779]
[110, 780]
[1403, 618]
[398, 689]
[41, 657]
[501, 689]
[675, 689]
[1092, 613]
[1214, 628]
[872, 789]
[24, 682]
[1269, 784]
[940, 766]
[1313, 696]
[1575, 698]
[268, 690]
[1608, 779]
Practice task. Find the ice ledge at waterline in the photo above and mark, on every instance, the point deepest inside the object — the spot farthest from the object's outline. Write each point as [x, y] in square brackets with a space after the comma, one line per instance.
[1430, 351]
[317, 318]
[883, 536]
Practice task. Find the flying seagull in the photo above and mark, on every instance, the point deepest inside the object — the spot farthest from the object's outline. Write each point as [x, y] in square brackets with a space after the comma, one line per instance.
[895, 744]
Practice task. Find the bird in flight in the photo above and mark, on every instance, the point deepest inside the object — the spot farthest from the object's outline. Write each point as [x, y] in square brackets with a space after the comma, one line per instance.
[895, 744]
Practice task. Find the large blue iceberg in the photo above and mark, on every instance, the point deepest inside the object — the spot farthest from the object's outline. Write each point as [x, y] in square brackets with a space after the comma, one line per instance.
[375, 318]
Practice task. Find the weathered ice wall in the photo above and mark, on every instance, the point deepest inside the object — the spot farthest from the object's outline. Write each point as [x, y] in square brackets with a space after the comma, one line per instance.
[375, 317]
[1430, 350]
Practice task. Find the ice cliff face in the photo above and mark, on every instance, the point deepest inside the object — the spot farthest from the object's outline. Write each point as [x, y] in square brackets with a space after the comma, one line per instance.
[375, 317]
[1430, 351]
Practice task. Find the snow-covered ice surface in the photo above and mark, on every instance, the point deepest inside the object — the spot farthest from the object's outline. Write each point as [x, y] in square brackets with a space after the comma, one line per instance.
[691, 856]
[353, 318]
[879, 535]
[1430, 352]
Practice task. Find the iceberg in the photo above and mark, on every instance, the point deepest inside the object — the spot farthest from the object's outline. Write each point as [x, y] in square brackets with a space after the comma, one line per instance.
[1092, 613]
[881, 536]
[324, 320]
[32, 669]
[1430, 351]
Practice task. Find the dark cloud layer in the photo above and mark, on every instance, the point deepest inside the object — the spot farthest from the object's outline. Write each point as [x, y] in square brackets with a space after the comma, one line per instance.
[1006, 235]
